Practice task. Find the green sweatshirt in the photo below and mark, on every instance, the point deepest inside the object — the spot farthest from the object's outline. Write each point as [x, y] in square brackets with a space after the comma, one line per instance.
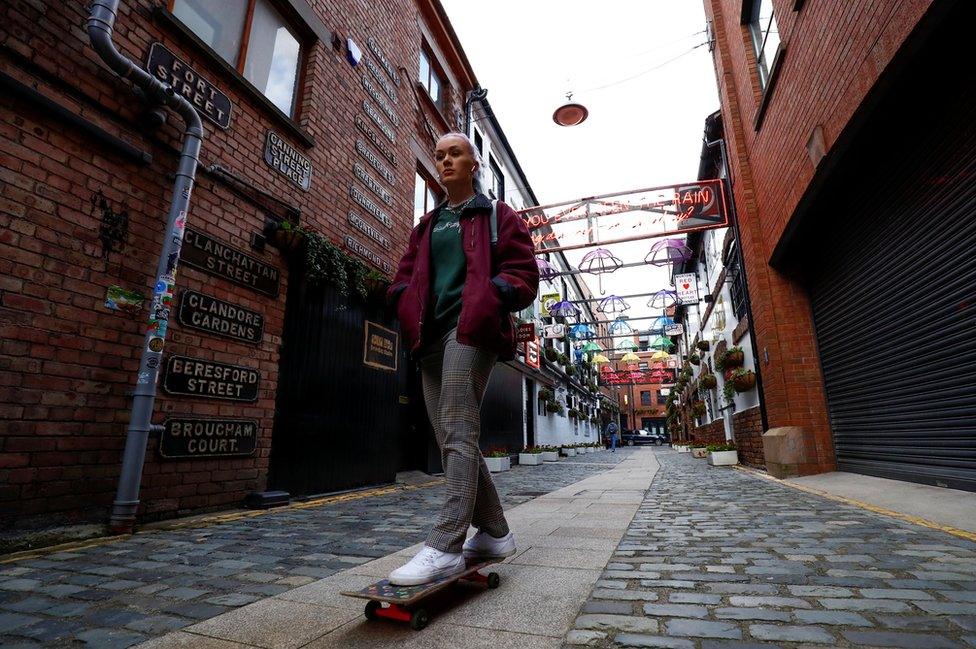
[448, 269]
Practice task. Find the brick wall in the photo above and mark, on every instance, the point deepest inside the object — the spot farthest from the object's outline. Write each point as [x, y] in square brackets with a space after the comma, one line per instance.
[713, 433]
[826, 74]
[67, 363]
[747, 432]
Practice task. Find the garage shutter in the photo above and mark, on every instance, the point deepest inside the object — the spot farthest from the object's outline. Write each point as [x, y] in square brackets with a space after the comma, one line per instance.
[894, 298]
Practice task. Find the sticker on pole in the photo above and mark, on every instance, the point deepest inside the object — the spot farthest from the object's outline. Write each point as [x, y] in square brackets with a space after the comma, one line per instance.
[686, 285]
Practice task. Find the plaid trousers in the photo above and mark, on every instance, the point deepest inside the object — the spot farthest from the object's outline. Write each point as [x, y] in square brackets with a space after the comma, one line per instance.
[454, 380]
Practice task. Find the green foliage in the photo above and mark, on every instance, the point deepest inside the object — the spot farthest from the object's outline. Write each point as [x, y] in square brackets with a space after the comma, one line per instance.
[326, 263]
[715, 448]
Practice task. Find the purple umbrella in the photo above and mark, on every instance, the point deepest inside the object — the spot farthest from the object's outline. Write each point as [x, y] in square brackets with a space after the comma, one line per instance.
[564, 309]
[598, 262]
[668, 251]
[620, 326]
[546, 270]
[612, 304]
[663, 299]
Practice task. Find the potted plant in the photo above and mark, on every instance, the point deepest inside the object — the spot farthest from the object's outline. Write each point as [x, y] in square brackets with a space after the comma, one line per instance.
[554, 407]
[551, 354]
[568, 450]
[723, 454]
[699, 450]
[708, 381]
[531, 455]
[698, 409]
[728, 391]
[545, 394]
[733, 357]
[561, 358]
[694, 359]
[287, 238]
[743, 380]
[550, 453]
[497, 459]
[703, 345]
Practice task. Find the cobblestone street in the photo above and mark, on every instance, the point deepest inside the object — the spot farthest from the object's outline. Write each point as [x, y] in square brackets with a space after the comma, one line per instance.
[124, 592]
[717, 558]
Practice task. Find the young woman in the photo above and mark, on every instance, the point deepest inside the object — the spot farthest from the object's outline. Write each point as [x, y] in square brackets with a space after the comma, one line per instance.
[454, 292]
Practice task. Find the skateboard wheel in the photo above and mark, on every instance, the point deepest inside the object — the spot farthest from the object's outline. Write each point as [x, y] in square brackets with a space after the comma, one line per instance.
[371, 607]
[493, 580]
[419, 619]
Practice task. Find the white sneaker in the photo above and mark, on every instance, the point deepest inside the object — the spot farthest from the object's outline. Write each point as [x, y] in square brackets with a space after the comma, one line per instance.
[483, 544]
[427, 565]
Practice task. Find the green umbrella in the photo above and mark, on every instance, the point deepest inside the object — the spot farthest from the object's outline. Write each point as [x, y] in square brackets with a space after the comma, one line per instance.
[661, 343]
[627, 344]
[592, 347]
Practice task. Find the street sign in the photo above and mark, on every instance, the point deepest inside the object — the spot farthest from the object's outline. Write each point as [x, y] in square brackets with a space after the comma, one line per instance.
[686, 285]
[525, 332]
[674, 330]
[554, 331]
[532, 353]
[547, 302]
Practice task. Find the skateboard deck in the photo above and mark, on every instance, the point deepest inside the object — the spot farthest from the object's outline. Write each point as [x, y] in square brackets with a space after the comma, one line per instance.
[401, 600]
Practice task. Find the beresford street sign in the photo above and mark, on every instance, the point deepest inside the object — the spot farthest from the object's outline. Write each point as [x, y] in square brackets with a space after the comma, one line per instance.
[197, 377]
[187, 82]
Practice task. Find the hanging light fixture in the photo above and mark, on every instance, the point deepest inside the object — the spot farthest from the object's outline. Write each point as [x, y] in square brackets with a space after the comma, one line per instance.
[570, 113]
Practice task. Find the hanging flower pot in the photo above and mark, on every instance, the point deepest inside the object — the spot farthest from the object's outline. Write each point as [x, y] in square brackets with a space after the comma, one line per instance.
[551, 354]
[703, 345]
[743, 380]
[287, 239]
[698, 409]
[708, 381]
[694, 359]
[734, 357]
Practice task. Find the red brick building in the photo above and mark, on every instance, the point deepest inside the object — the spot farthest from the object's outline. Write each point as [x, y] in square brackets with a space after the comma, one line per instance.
[849, 132]
[313, 115]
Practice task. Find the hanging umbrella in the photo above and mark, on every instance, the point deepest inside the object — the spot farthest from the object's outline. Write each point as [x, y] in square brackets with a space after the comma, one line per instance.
[599, 359]
[598, 262]
[630, 357]
[620, 326]
[661, 343]
[627, 344]
[660, 356]
[659, 323]
[547, 271]
[612, 304]
[663, 299]
[668, 251]
[581, 332]
[592, 347]
[564, 309]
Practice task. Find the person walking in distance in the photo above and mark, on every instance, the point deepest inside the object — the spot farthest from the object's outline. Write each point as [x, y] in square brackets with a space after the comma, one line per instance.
[468, 265]
[612, 432]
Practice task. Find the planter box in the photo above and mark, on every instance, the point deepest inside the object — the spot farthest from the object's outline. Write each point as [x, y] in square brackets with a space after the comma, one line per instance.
[681, 448]
[530, 459]
[498, 464]
[550, 456]
[569, 452]
[723, 458]
[700, 453]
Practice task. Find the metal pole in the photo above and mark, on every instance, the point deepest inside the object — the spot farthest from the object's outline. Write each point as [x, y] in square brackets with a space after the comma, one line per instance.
[100, 26]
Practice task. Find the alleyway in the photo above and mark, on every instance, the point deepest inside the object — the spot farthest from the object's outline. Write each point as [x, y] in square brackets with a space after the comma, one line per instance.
[704, 558]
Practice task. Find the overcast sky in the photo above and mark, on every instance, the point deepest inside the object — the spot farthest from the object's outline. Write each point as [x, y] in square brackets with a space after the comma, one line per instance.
[643, 132]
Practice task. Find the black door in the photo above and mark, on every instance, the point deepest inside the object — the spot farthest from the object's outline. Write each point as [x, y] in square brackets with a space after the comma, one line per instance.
[893, 277]
[338, 422]
[530, 402]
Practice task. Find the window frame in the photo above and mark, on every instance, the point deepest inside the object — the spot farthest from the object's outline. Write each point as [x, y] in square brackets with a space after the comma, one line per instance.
[296, 28]
[758, 37]
[433, 69]
[431, 184]
[749, 9]
[737, 282]
[498, 178]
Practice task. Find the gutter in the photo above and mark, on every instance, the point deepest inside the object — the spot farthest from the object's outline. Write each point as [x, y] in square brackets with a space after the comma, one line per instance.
[100, 26]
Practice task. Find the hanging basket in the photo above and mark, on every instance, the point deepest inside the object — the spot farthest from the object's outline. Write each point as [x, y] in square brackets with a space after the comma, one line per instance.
[698, 409]
[708, 381]
[288, 241]
[733, 358]
[702, 345]
[743, 381]
[694, 359]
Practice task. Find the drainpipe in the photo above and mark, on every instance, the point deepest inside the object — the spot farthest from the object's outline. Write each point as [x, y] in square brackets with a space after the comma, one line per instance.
[99, 26]
[477, 94]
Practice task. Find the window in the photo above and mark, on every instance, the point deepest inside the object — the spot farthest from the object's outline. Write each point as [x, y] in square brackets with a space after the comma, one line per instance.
[431, 80]
[254, 38]
[425, 196]
[479, 143]
[496, 181]
[645, 398]
[737, 283]
[765, 38]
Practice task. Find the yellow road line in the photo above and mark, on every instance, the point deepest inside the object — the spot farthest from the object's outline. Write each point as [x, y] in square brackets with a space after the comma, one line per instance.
[215, 519]
[971, 536]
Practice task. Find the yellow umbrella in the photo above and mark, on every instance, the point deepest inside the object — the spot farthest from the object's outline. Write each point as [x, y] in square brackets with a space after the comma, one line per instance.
[630, 357]
[660, 356]
[600, 358]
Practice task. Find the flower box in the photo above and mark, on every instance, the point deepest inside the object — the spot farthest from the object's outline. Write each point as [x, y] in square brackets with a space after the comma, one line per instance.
[550, 456]
[682, 448]
[569, 452]
[530, 459]
[723, 458]
[498, 464]
[701, 453]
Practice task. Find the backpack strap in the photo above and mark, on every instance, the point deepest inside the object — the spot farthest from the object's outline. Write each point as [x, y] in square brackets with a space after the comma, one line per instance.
[494, 223]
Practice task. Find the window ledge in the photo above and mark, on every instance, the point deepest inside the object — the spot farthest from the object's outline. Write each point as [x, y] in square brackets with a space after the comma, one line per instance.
[770, 86]
[172, 22]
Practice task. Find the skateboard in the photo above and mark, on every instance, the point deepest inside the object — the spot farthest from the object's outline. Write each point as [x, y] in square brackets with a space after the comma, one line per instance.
[400, 602]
